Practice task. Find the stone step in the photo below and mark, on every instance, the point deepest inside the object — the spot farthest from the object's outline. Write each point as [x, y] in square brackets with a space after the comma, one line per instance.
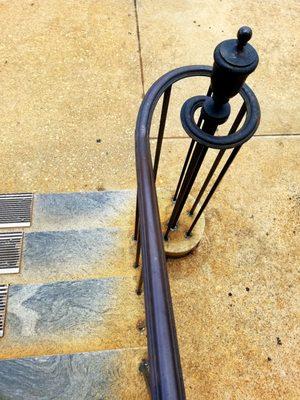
[83, 210]
[98, 375]
[74, 254]
[72, 316]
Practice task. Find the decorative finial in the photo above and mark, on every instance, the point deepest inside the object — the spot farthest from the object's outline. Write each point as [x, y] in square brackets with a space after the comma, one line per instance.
[244, 35]
[234, 60]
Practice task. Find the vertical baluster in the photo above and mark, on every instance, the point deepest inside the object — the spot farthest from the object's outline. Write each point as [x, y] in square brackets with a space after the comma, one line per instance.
[209, 92]
[214, 187]
[233, 129]
[136, 224]
[188, 156]
[138, 250]
[162, 124]
[238, 119]
[144, 368]
[139, 288]
[190, 176]
[186, 161]
[207, 180]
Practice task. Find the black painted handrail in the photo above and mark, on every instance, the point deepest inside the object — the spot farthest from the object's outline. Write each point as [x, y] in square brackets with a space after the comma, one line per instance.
[166, 378]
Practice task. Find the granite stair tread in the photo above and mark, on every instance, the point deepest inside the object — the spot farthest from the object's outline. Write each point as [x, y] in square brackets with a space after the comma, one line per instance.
[104, 375]
[83, 210]
[51, 256]
[72, 311]
[72, 316]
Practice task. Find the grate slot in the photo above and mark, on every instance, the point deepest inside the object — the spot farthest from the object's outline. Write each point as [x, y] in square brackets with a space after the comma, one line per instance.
[15, 210]
[10, 252]
[3, 307]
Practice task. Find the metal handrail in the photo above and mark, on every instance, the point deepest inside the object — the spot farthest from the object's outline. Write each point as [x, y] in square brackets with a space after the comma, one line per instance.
[166, 378]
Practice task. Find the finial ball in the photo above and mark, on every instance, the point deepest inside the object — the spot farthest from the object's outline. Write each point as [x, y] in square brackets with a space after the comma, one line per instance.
[244, 35]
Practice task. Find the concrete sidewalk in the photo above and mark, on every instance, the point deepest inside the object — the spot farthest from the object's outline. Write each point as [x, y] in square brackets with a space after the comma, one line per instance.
[73, 74]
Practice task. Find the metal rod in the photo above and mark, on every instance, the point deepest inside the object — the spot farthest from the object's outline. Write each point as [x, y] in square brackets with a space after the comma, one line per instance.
[139, 288]
[189, 179]
[136, 224]
[187, 159]
[214, 187]
[144, 368]
[207, 180]
[162, 124]
[198, 156]
[238, 119]
[138, 250]
[233, 129]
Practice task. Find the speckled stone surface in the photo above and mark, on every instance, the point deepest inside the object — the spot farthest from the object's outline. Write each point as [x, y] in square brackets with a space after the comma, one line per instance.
[63, 211]
[106, 375]
[75, 316]
[74, 254]
[70, 84]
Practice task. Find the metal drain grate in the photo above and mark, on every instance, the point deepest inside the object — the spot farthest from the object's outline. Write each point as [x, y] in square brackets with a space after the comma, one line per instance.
[10, 252]
[3, 304]
[15, 210]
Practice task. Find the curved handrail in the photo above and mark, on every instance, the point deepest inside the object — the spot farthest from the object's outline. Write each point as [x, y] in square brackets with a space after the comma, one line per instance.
[166, 380]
